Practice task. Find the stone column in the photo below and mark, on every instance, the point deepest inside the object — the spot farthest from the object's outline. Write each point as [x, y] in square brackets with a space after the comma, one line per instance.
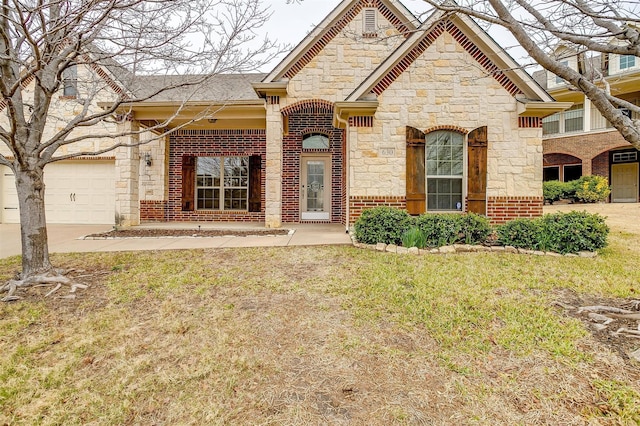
[273, 190]
[128, 175]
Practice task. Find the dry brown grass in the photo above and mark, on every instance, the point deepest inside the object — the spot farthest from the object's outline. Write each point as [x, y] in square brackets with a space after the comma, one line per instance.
[327, 335]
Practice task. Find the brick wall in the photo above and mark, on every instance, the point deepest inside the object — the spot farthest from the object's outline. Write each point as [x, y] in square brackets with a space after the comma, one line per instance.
[359, 204]
[316, 118]
[212, 143]
[503, 209]
[560, 159]
[584, 146]
[153, 211]
[600, 165]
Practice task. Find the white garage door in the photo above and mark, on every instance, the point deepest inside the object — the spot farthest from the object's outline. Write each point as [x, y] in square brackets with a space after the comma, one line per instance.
[80, 192]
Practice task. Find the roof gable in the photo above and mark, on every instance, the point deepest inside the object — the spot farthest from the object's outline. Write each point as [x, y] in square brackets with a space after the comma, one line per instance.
[493, 59]
[394, 11]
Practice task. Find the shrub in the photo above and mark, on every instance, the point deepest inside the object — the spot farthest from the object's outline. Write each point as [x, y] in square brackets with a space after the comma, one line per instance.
[414, 237]
[591, 189]
[474, 228]
[440, 229]
[521, 233]
[555, 190]
[573, 232]
[560, 232]
[382, 225]
[451, 228]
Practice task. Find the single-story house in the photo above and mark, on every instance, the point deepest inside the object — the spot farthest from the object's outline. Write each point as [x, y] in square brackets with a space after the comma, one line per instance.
[372, 108]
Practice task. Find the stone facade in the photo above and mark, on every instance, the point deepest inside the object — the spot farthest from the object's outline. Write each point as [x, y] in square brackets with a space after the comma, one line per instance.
[445, 81]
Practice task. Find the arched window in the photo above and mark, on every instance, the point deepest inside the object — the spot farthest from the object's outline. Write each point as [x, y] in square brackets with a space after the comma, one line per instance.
[315, 141]
[445, 170]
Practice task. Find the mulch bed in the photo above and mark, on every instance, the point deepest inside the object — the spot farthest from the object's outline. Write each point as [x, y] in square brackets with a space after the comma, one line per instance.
[158, 233]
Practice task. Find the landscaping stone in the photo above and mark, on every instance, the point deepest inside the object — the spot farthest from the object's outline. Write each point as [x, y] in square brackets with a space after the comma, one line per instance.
[447, 249]
[402, 250]
[635, 355]
[414, 250]
[538, 253]
[525, 251]
[499, 249]
[381, 246]
[510, 249]
[392, 248]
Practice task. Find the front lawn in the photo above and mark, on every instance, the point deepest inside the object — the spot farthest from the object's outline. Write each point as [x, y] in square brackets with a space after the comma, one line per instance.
[323, 335]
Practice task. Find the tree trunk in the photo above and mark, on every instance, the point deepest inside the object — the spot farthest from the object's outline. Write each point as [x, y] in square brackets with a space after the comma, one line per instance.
[33, 224]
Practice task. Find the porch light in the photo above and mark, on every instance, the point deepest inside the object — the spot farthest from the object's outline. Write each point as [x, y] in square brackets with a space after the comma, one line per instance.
[147, 158]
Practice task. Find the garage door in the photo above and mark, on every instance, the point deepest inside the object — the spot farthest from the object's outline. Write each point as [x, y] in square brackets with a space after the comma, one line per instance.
[80, 192]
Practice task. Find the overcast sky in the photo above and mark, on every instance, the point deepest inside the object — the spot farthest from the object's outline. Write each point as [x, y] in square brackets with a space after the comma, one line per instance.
[290, 23]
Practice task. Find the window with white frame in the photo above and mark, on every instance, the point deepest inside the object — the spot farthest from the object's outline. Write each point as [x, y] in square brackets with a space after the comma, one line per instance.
[445, 170]
[627, 61]
[222, 183]
[560, 80]
[70, 81]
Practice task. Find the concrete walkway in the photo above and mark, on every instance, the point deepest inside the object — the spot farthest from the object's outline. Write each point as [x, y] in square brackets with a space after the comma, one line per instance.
[69, 238]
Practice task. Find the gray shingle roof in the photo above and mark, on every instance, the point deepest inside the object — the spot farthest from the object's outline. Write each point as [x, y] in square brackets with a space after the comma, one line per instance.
[216, 88]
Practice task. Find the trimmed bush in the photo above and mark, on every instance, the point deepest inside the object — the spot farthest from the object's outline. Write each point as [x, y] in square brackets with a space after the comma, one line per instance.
[573, 232]
[520, 233]
[440, 229]
[452, 228]
[382, 225]
[474, 229]
[591, 189]
[555, 190]
[414, 237]
[560, 232]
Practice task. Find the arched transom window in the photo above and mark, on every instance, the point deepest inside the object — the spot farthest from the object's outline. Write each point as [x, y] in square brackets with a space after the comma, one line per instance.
[315, 141]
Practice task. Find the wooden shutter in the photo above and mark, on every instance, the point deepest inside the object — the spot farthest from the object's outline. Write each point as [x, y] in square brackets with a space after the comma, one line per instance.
[477, 174]
[416, 178]
[188, 182]
[255, 182]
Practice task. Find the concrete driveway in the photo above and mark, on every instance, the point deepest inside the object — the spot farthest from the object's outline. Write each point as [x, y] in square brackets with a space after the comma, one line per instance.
[69, 238]
[620, 216]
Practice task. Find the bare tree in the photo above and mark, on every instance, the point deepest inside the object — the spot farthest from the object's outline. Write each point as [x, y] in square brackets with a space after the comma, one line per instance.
[98, 49]
[585, 27]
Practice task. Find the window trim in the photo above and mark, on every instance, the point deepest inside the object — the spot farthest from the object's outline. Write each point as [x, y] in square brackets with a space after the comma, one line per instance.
[70, 81]
[222, 187]
[629, 61]
[463, 176]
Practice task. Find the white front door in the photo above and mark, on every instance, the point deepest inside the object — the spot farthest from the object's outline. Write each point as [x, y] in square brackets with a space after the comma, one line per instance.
[624, 183]
[315, 187]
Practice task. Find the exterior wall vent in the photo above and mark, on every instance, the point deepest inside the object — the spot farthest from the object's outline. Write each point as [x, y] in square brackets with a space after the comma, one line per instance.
[370, 22]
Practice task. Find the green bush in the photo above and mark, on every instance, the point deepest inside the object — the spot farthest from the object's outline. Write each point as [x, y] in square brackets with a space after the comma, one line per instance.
[453, 228]
[520, 233]
[474, 229]
[414, 237]
[440, 229]
[560, 232]
[573, 232]
[591, 189]
[382, 225]
[555, 190]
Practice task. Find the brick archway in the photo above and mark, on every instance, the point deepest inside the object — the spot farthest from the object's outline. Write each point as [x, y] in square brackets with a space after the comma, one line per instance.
[309, 106]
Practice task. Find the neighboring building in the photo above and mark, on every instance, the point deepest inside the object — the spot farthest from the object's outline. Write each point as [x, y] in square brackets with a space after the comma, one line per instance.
[579, 141]
[371, 108]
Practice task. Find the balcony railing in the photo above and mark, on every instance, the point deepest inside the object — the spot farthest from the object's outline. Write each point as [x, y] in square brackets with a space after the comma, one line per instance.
[574, 120]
